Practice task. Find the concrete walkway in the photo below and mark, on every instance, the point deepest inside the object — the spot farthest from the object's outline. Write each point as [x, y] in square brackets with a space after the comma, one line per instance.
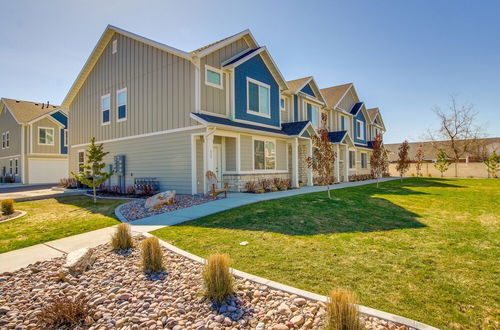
[233, 200]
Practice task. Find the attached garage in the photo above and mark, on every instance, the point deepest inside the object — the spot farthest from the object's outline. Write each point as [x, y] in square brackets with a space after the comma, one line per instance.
[47, 170]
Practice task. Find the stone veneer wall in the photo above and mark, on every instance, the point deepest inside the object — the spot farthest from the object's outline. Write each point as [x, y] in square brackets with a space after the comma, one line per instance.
[237, 181]
[302, 164]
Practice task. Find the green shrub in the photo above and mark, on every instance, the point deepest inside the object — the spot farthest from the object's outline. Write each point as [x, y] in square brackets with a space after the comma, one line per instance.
[152, 255]
[217, 278]
[63, 313]
[341, 311]
[7, 206]
[122, 238]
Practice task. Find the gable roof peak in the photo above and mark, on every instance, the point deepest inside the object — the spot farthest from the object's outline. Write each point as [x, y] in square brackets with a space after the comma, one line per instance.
[334, 94]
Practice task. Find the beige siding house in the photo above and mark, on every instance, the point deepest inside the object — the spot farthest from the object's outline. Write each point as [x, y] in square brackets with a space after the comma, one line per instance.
[34, 142]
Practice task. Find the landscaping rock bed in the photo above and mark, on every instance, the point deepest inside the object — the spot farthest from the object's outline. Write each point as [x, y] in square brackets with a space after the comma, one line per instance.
[122, 296]
[135, 210]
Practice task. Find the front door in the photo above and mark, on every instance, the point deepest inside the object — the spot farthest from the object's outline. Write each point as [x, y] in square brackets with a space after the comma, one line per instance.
[218, 163]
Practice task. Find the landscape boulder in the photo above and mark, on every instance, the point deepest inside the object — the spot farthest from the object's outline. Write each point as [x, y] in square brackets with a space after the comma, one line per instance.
[80, 260]
[158, 200]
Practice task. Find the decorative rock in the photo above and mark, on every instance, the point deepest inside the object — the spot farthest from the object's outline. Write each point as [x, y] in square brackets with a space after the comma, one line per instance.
[299, 301]
[280, 327]
[244, 243]
[297, 320]
[80, 260]
[158, 200]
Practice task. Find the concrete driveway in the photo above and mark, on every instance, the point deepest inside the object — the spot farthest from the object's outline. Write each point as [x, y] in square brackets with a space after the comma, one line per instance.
[20, 192]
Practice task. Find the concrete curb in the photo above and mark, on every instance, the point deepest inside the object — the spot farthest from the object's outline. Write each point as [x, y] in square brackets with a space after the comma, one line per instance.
[119, 214]
[23, 213]
[306, 294]
[111, 198]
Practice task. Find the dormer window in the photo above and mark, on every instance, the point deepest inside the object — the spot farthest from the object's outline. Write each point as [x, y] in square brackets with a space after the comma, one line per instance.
[312, 113]
[213, 77]
[258, 100]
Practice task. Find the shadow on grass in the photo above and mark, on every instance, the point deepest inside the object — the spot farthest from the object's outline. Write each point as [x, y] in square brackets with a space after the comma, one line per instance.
[354, 209]
[103, 206]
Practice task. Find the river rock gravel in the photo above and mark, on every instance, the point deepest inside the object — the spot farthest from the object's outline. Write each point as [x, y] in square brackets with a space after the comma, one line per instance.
[122, 296]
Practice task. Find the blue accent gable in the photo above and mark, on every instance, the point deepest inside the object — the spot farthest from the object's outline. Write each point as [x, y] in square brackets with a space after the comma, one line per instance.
[337, 137]
[294, 128]
[295, 107]
[255, 68]
[308, 90]
[61, 117]
[361, 117]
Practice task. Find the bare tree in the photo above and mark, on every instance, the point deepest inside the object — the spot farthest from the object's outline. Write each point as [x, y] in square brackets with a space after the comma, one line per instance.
[458, 133]
[403, 160]
[323, 155]
[419, 158]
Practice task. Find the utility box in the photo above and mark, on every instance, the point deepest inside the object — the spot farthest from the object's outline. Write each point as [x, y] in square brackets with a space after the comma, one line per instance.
[120, 165]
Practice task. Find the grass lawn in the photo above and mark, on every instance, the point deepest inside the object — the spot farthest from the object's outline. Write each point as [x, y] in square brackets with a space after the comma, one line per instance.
[55, 218]
[428, 249]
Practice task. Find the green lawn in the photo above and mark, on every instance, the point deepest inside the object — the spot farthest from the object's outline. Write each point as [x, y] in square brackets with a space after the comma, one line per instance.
[428, 249]
[55, 218]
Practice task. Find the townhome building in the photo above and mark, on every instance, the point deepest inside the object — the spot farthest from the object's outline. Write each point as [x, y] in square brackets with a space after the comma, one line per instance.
[34, 146]
[173, 115]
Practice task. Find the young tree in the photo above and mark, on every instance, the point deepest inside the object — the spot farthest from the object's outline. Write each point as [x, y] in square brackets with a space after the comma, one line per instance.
[492, 164]
[323, 155]
[442, 162]
[459, 131]
[378, 159]
[91, 173]
[403, 160]
[419, 158]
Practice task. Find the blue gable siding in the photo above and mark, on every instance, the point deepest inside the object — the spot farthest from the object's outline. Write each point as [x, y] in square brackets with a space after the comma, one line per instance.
[256, 69]
[360, 117]
[295, 108]
[60, 117]
[308, 90]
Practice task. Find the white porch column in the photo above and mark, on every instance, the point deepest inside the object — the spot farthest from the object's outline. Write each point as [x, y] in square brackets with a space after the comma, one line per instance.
[295, 163]
[208, 153]
[310, 181]
[346, 164]
[337, 163]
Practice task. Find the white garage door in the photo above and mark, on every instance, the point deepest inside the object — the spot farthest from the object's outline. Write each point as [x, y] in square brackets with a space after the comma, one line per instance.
[45, 170]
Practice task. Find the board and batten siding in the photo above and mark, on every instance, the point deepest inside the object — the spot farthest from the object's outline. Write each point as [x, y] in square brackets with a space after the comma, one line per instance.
[199, 165]
[281, 159]
[166, 158]
[9, 124]
[213, 99]
[160, 93]
[230, 150]
[347, 102]
[246, 153]
[42, 148]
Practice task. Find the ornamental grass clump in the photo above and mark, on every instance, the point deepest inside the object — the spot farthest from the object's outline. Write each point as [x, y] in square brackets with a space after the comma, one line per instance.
[122, 238]
[217, 278]
[7, 206]
[152, 255]
[342, 312]
[63, 313]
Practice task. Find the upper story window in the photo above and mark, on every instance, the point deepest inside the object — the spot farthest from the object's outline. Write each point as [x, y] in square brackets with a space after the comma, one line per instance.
[360, 129]
[213, 77]
[46, 136]
[264, 155]
[259, 96]
[65, 136]
[312, 113]
[344, 123]
[7, 139]
[282, 104]
[121, 104]
[3, 140]
[352, 159]
[106, 109]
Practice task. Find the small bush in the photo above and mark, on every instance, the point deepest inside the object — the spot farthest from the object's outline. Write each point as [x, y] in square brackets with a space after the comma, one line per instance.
[260, 191]
[277, 181]
[115, 190]
[217, 278]
[251, 186]
[63, 313]
[122, 238]
[288, 183]
[7, 206]
[266, 184]
[148, 190]
[152, 255]
[341, 311]
[130, 190]
[63, 182]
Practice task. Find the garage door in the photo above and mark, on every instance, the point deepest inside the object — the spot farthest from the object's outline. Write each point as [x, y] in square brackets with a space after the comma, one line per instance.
[45, 170]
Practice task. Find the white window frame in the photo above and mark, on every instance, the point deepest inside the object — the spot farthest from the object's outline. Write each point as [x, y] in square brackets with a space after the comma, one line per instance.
[3, 140]
[253, 155]
[117, 105]
[16, 166]
[352, 165]
[102, 109]
[365, 165]
[11, 166]
[284, 103]
[317, 112]
[219, 71]
[53, 137]
[65, 135]
[258, 83]
[7, 139]
[78, 159]
[360, 133]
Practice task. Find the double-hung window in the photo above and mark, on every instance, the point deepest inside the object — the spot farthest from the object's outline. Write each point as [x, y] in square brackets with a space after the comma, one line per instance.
[121, 104]
[264, 155]
[81, 160]
[364, 163]
[213, 77]
[352, 159]
[312, 113]
[360, 129]
[46, 136]
[10, 166]
[343, 123]
[7, 139]
[259, 96]
[105, 109]
[3, 140]
[65, 136]
[16, 168]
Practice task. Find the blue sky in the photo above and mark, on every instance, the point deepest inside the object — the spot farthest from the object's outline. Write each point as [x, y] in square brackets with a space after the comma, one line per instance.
[405, 57]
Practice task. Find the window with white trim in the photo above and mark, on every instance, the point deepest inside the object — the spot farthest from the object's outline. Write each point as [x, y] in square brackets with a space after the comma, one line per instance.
[352, 159]
[258, 98]
[3, 140]
[16, 168]
[312, 112]
[282, 104]
[105, 109]
[360, 129]
[264, 155]
[81, 160]
[10, 166]
[7, 140]
[46, 136]
[344, 123]
[213, 77]
[121, 105]
[65, 135]
[364, 162]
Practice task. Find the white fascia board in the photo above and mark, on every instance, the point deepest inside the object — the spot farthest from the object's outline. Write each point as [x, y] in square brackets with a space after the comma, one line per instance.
[226, 42]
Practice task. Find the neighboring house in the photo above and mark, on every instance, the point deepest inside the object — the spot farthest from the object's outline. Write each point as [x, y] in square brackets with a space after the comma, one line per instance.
[34, 142]
[174, 115]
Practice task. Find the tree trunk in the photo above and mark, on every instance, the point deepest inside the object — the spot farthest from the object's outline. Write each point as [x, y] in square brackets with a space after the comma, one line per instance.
[377, 181]
[456, 169]
[328, 188]
[94, 190]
